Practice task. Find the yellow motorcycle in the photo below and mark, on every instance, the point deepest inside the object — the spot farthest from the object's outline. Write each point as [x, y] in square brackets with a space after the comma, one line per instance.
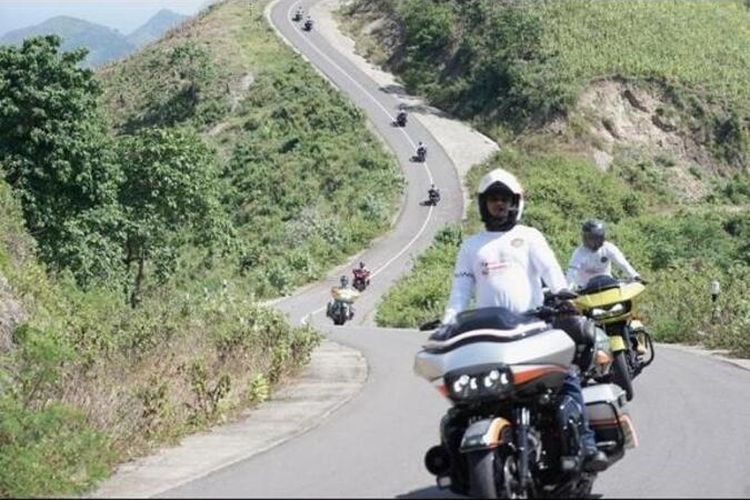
[612, 304]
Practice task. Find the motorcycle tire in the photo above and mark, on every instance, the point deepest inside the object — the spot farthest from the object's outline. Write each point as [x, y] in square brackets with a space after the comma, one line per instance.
[482, 470]
[621, 374]
[338, 320]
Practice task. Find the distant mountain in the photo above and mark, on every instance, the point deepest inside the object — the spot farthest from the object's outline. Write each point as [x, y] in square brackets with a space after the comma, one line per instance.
[104, 44]
[155, 27]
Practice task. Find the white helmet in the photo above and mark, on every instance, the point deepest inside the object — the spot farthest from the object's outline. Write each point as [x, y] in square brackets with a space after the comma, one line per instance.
[500, 180]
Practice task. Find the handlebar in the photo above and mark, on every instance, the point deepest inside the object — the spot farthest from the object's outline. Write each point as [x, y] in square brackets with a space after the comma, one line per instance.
[430, 325]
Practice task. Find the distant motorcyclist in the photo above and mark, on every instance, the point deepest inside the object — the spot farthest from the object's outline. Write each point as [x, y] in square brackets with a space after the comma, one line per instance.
[421, 151]
[342, 293]
[298, 14]
[308, 23]
[504, 266]
[363, 274]
[401, 118]
[595, 256]
[433, 194]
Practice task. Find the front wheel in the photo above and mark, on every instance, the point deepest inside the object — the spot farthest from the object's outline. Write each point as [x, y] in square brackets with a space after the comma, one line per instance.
[621, 374]
[483, 474]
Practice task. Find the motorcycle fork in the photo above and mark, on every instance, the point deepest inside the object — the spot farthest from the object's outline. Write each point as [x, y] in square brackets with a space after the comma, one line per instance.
[522, 420]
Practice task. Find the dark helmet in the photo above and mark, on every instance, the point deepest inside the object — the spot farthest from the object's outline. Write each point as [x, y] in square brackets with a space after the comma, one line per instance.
[500, 181]
[344, 281]
[594, 232]
[361, 265]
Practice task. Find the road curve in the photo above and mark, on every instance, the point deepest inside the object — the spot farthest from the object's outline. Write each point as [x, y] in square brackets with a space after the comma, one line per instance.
[691, 412]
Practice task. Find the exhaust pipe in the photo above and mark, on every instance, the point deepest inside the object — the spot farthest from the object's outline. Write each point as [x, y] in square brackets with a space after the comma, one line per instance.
[437, 461]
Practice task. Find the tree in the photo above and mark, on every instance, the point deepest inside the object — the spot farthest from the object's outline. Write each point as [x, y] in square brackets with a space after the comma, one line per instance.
[170, 198]
[58, 157]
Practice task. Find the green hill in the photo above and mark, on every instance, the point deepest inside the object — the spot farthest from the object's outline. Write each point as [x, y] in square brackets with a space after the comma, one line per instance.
[104, 44]
[634, 112]
[155, 27]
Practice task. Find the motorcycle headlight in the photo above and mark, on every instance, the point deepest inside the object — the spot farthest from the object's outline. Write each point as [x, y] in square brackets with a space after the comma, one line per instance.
[602, 313]
[482, 385]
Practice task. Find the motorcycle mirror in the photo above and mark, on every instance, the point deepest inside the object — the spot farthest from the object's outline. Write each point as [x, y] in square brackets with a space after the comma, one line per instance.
[430, 325]
[566, 294]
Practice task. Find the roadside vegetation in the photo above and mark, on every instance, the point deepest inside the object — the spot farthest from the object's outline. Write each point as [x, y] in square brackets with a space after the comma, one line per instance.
[657, 89]
[145, 210]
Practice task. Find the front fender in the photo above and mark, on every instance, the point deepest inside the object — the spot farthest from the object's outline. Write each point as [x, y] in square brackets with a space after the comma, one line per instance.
[485, 434]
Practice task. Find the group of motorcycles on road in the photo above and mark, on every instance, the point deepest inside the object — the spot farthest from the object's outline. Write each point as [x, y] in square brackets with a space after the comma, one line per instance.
[420, 156]
[298, 15]
[509, 433]
[340, 308]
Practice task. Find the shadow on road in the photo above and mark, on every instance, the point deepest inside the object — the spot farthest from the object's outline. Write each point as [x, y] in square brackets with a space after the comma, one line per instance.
[396, 90]
[430, 492]
[435, 492]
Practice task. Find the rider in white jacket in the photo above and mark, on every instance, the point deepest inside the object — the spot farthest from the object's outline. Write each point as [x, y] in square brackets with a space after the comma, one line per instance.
[504, 266]
[595, 256]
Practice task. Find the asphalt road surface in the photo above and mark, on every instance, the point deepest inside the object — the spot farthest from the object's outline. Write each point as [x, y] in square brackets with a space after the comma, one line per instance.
[692, 413]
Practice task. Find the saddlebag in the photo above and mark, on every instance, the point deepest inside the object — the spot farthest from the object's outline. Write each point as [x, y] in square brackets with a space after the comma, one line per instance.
[608, 417]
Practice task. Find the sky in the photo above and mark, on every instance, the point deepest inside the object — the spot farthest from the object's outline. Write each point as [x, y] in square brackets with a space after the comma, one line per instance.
[122, 15]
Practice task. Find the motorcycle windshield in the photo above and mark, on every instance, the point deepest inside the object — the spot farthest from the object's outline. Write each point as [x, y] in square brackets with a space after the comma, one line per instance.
[599, 283]
[488, 318]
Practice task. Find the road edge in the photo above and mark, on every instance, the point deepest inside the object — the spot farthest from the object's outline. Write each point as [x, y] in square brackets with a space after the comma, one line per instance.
[334, 376]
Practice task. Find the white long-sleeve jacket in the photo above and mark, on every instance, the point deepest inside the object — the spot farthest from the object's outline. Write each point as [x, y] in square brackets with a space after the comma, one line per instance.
[504, 269]
[585, 263]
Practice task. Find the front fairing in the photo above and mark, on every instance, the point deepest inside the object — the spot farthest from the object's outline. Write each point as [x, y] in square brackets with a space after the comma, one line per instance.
[551, 346]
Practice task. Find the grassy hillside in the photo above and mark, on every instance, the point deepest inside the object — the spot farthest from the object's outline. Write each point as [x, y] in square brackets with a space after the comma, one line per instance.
[306, 182]
[634, 112]
[89, 379]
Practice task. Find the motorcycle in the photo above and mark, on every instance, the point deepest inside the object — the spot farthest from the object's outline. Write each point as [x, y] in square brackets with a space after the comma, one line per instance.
[400, 120]
[421, 155]
[340, 309]
[433, 197]
[308, 25]
[509, 432]
[297, 15]
[611, 303]
[360, 280]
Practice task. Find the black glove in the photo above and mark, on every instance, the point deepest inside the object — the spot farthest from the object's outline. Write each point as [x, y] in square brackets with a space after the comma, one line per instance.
[567, 307]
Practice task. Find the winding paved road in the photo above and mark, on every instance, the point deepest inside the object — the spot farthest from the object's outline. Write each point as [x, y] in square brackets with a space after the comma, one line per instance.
[692, 412]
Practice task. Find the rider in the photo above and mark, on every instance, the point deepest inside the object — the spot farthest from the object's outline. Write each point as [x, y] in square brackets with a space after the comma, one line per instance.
[298, 14]
[363, 272]
[504, 266]
[342, 293]
[595, 256]
[308, 21]
[401, 117]
[421, 149]
[433, 192]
